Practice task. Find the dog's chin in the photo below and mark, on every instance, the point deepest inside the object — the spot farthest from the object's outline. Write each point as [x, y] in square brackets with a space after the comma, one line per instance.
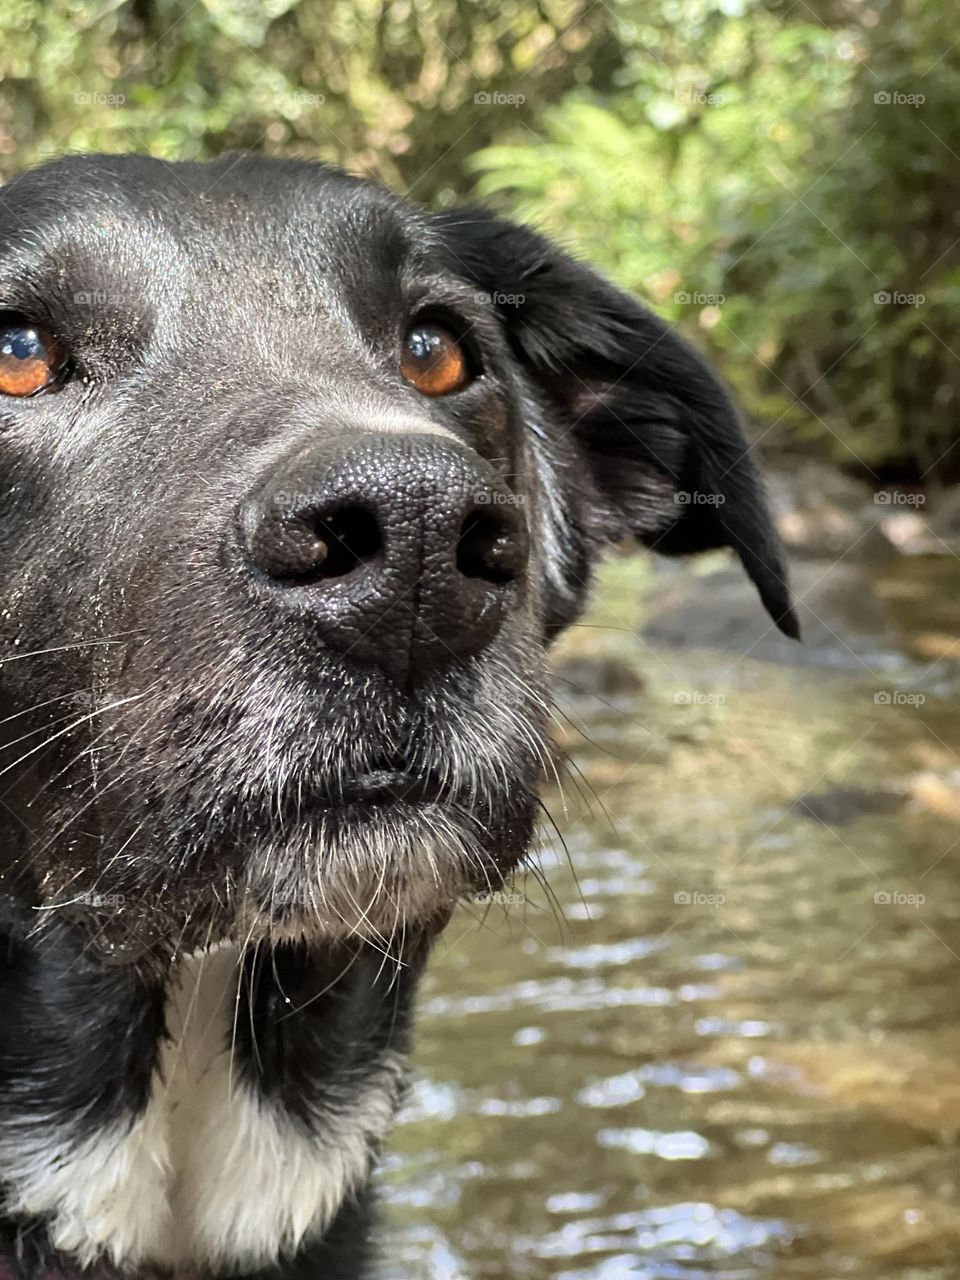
[386, 859]
[383, 859]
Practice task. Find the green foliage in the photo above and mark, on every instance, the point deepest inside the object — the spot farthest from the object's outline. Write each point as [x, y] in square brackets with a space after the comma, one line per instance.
[382, 86]
[773, 184]
[728, 159]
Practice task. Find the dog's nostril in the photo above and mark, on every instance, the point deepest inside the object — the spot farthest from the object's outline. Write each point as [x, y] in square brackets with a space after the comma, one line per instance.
[345, 540]
[400, 549]
[487, 548]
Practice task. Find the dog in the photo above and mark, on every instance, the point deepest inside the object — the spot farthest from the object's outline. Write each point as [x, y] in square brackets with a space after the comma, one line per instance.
[298, 482]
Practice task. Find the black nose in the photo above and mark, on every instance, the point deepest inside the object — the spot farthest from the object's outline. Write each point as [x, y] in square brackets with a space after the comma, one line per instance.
[405, 549]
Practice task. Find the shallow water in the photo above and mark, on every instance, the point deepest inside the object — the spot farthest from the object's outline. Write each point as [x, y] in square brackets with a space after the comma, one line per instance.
[736, 1053]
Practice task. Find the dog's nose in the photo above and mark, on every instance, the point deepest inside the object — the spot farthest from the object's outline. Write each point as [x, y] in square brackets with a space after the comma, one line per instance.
[405, 549]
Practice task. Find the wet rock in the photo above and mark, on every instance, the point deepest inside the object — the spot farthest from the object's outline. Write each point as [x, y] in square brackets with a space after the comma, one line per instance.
[943, 519]
[910, 534]
[845, 623]
[937, 792]
[603, 676]
[839, 806]
[823, 514]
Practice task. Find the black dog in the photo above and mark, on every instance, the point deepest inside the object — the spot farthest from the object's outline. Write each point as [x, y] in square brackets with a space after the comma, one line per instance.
[297, 483]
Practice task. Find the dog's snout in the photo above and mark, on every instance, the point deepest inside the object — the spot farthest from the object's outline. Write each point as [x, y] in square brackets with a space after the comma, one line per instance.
[404, 549]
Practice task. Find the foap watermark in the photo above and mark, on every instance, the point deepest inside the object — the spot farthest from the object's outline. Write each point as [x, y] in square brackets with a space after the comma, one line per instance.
[894, 898]
[499, 299]
[696, 498]
[898, 698]
[894, 98]
[104, 901]
[696, 698]
[291, 499]
[898, 498]
[498, 898]
[498, 498]
[99, 99]
[895, 298]
[95, 901]
[496, 98]
[102, 298]
[303, 98]
[699, 97]
[696, 898]
[697, 298]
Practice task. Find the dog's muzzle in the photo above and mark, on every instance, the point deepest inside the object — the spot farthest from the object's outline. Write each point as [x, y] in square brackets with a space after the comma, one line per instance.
[404, 549]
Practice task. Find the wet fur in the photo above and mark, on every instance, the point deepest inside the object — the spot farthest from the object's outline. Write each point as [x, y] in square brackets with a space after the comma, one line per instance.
[172, 741]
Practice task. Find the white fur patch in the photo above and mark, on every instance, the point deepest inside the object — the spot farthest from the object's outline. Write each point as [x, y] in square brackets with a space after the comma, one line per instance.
[210, 1174]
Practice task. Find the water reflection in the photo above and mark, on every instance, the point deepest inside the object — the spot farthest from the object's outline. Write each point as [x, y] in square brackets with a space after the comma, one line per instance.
[738, 1052]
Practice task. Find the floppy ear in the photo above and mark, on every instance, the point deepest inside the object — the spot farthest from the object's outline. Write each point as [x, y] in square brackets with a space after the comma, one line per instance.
[662, 437]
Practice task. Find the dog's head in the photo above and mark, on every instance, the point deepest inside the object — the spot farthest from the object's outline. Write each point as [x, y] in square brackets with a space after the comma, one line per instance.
[297, 483]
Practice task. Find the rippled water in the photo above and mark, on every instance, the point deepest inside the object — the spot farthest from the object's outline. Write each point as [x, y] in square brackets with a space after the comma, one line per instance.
[732, 1049]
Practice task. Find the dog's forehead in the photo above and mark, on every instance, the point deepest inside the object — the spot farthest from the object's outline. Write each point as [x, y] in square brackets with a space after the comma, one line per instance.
[239, 223]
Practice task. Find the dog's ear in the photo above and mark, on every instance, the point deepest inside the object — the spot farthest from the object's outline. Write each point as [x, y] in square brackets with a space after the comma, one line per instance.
[660, 434]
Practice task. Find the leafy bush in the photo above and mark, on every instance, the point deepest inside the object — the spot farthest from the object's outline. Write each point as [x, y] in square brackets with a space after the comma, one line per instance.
[729, 159]
[404, 89]
[782, 188]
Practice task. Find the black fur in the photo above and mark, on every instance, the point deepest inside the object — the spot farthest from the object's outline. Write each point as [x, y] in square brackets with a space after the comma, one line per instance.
[649, 417]
[175, 736]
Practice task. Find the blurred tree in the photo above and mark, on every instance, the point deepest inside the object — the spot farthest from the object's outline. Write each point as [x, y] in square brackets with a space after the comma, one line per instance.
[406, 90]
[793, 187]
[767, 173]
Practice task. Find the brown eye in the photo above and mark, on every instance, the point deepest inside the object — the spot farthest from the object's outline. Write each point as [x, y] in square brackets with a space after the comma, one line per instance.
[433, 361]
[29, 358]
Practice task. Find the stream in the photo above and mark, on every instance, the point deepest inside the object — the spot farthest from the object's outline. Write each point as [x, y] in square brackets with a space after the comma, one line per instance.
[726, 1042]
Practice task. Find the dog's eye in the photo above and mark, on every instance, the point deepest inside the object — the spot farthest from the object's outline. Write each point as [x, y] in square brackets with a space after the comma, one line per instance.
[434, 361]
[30, 357]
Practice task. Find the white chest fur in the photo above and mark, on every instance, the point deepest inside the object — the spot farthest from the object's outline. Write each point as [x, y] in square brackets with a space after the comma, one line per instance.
[211, 1174]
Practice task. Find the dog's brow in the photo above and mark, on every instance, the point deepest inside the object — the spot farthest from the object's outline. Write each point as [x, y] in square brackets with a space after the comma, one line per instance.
[34, 271]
